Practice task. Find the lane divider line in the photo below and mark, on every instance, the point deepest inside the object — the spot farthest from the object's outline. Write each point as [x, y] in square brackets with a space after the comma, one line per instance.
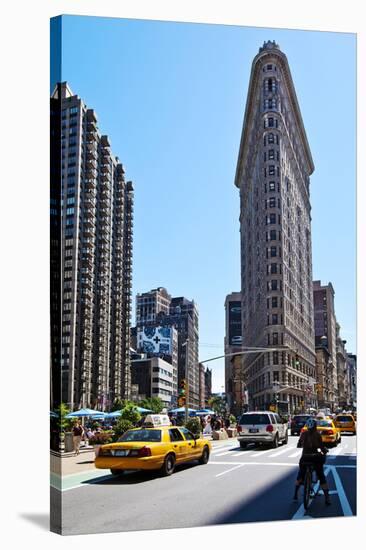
[230, 470]
[346, 508]
[300, 513]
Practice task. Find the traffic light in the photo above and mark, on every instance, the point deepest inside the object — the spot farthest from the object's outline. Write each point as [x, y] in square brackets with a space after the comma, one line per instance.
[182, 392]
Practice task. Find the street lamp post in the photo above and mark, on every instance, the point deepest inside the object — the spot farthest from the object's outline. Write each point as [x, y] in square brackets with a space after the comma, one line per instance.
[187, 381]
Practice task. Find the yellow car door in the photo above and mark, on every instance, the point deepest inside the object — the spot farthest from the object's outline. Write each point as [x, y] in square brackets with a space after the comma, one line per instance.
[193, 448]
[178, 444]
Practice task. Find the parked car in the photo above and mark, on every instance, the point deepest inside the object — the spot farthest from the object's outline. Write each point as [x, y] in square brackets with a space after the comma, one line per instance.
[298, 422]
[263, 428]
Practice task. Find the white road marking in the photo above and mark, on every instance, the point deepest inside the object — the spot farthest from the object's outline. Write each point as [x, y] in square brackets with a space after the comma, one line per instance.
[300, 513]
[230, 470]
[225, 453]
[296, 453]
[281, 452]
[346, 508]
[222, 448]
[335, 452]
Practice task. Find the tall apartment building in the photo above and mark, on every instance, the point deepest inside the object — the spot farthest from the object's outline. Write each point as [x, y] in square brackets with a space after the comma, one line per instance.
[158, 309]
[326, 335]
[95, 259]
[273, 175]
[234, 380]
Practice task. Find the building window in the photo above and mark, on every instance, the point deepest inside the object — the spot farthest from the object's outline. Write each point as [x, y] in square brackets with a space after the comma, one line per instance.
[272, 235]
[272, 202]
[271, 154]
[272, 186]
[270, 138]
[274, 319]
[275, 338]
[271, 170]
[274, 284]
[273, 251]
[271, 122]
[274, 301]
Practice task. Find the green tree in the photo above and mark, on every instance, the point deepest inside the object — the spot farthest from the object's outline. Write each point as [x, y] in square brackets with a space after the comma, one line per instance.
[155, 404]
[130, 413]
[194, 425]
[64, 424]
[218, 404]
[121, 427]
[117, 404]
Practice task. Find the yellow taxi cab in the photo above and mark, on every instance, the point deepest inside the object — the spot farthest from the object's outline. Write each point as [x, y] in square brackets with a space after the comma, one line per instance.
[157, 445]
[331, 435]
[345, 423]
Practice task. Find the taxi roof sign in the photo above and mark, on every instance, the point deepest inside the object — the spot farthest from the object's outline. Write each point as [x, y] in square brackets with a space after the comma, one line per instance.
[155, 420]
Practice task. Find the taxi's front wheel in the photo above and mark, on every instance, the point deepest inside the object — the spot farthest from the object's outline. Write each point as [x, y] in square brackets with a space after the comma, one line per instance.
[169, 464]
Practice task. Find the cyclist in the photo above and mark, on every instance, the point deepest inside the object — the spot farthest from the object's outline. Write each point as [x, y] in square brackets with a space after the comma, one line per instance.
[314, 451]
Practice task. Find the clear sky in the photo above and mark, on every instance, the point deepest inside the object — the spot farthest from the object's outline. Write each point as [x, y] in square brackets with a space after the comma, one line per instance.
[171, 97]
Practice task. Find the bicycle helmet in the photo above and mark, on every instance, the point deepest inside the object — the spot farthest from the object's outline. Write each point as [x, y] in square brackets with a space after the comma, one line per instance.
[311, 423]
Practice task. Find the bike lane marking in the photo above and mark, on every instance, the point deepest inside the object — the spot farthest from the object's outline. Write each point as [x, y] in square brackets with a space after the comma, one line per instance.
[346, 508]
[300, 513]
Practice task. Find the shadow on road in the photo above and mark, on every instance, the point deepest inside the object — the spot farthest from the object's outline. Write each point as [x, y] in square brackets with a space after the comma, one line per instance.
[134, 477]
[275, 503]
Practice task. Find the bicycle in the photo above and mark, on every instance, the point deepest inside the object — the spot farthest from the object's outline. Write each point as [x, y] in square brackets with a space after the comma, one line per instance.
[310, 479]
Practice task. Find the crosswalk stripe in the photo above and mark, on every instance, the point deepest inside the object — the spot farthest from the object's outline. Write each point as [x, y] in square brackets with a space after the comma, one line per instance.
[297, 453]
[281, 452]
[225, 453]
[221, 449]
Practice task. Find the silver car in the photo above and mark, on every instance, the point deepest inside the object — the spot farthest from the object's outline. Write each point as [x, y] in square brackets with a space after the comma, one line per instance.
[262, 427]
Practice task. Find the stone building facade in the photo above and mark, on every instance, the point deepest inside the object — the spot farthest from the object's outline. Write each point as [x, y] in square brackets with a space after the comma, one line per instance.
[273, 175]
[325, 331]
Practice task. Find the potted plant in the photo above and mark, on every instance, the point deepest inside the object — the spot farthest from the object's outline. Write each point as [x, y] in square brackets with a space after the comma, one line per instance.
[100, 438]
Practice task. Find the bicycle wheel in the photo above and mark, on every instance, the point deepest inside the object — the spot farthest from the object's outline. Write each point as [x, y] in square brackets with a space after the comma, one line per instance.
[307, 487]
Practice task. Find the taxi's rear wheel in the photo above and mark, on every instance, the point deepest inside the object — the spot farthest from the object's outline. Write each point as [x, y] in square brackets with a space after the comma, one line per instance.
[205, 456]
[169, 464]
[115, 472]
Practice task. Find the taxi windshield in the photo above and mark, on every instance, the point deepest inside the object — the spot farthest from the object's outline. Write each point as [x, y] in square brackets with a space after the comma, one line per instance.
[324, 423]
[141, 435]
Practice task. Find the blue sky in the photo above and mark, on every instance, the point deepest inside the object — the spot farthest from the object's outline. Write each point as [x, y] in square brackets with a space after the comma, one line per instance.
[171, 97]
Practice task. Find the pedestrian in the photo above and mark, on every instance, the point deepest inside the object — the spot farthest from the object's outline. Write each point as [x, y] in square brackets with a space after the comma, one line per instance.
[77, 432]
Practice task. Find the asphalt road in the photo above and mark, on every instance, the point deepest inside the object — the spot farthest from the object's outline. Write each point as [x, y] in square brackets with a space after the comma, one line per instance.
[236, 486]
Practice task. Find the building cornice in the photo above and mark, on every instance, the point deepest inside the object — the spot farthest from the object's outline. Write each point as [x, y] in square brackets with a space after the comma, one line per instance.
[264, 56]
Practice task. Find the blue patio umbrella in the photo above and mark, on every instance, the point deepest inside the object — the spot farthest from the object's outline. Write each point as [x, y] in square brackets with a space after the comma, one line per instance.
[203, 412]
[142, 410]
[181, 410]
[114, 414]
[86, 412]
[53, 414]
